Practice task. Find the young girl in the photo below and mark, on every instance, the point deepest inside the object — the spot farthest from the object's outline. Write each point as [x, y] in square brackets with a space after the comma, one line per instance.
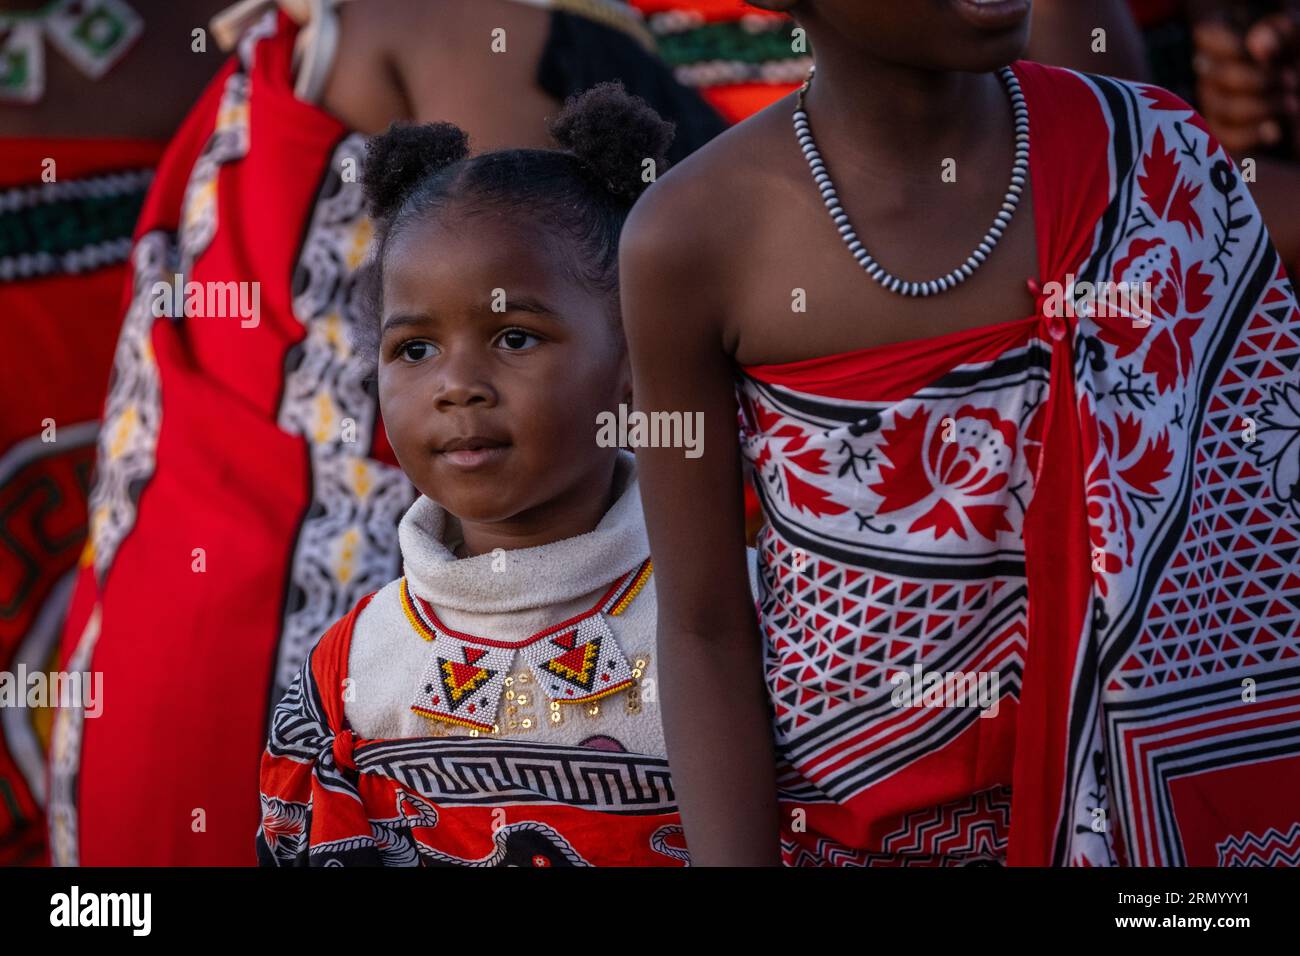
[493, 705]
[1029, 572]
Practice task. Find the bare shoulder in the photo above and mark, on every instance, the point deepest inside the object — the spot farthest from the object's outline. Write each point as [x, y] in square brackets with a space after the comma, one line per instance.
[702, 216]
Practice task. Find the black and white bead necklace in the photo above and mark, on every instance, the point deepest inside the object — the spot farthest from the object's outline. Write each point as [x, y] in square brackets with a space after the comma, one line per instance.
[1019, 175]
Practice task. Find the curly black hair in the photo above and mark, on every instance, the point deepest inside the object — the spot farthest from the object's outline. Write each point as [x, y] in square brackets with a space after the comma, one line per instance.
[608, 142]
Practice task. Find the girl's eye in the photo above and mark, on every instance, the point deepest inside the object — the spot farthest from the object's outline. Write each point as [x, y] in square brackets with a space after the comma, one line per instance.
[516, 340]
[414, 350]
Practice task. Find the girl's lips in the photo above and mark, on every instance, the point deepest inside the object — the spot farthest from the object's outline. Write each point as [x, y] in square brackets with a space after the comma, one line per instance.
[469, 458]
[993, 14]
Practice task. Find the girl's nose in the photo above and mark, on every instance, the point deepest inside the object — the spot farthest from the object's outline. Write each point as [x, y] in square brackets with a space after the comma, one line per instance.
[462, 380]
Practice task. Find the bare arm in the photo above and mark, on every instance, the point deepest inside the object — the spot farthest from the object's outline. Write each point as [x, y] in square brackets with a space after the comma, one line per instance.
[1062, 35]
[715, 709]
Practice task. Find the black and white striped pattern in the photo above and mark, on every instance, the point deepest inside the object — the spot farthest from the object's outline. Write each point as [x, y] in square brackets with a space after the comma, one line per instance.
[453, 771]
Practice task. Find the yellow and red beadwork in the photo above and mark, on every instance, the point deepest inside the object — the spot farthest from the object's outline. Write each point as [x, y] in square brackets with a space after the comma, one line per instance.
[577, 661]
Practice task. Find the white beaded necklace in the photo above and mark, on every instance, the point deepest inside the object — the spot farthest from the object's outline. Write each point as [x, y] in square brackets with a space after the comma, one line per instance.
[1019, 173]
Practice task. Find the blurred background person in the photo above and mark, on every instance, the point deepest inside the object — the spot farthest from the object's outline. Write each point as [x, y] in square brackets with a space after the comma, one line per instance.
[1238, 63]
[84, 119]
[1246, 63]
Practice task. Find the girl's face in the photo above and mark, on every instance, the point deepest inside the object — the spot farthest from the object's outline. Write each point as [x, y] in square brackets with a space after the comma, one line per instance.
[972, 35]
[493, 366]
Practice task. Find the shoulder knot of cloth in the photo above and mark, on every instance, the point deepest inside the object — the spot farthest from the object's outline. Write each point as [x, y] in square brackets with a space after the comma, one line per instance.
[574, 662]
[1055, 324]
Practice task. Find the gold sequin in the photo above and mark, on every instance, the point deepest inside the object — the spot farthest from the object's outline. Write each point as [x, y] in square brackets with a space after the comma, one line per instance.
[518, 719]
[634, 692]
[593, 710]
[556, 717]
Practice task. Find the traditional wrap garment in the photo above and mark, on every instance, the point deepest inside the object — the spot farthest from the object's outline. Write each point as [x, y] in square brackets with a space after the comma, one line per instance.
[482, 711]
[1099, 512]
[245, 496]
[67, 209]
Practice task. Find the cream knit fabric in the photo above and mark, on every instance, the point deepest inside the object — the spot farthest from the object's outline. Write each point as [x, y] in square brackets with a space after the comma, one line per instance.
[508, 597]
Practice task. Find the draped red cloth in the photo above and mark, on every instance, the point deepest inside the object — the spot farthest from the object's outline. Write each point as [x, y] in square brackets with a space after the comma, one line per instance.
[1024, 586]
[235, 517]
[67, 207]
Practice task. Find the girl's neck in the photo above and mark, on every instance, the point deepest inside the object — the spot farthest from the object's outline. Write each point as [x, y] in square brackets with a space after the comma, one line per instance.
[925, 115]
[577, 511]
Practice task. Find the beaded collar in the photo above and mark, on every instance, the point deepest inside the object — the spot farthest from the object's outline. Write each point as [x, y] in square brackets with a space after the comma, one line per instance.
[576, 661]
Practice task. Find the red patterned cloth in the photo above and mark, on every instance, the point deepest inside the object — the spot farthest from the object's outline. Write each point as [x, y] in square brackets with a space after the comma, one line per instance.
[210, 570]
[1085, 529]
[67, 210]
[331, 798]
